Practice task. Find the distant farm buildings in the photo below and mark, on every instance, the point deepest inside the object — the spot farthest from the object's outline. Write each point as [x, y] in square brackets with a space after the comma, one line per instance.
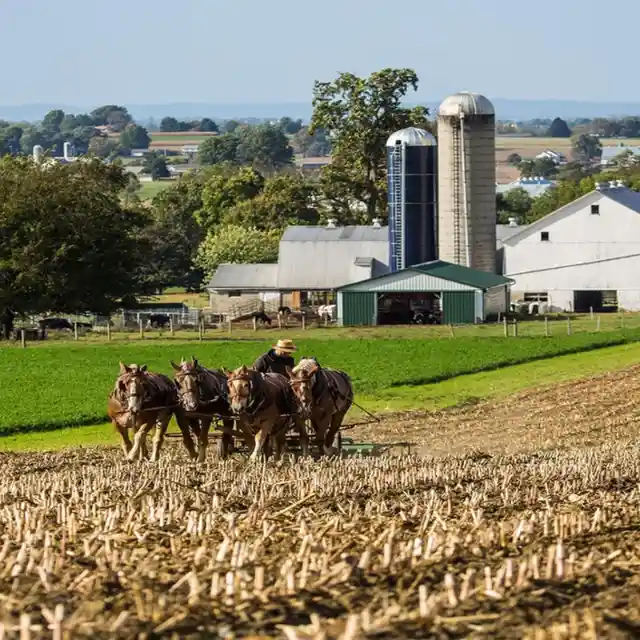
[533, 186]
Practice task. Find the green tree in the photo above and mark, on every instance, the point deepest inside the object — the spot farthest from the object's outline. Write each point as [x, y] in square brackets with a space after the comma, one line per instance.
[66, 242]
[169, 124]
[207, 124]
[235, 244]
[308, 145]
[358, 115]
[514, 159]
[135, 137]
[10, 139]
[559, 129]
[586, 147]
[53, 120]
[230, 126]
[218, 149]
[264, 146]
[543, 167]
[103, 147]
[285, 199]
[514, 203]
[290, 126]
[156, 166]
[225, 188]
[113, 115]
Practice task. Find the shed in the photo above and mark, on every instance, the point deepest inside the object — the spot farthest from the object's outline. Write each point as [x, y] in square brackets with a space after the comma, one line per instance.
[452, 293]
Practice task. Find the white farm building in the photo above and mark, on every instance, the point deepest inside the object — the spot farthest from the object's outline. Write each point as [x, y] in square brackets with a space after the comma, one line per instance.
[584, 255]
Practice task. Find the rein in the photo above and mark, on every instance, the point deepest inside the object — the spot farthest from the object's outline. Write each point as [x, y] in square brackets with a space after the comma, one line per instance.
[258, 399]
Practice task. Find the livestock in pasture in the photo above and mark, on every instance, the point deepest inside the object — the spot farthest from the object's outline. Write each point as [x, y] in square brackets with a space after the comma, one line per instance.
[158, 320]
[139, 401]
[325, 396]
[328, 310]
[261, 317]
[266, 407]
[202, 394]
[55, 324]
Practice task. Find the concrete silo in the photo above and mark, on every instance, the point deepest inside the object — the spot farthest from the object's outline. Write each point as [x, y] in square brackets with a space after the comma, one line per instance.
[467, 181]
[67, 151]
[411, 177]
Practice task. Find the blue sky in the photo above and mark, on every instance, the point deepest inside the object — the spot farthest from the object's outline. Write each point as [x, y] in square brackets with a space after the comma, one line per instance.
[85, 52]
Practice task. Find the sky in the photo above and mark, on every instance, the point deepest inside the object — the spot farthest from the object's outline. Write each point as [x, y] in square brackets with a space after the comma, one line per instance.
[87, 53]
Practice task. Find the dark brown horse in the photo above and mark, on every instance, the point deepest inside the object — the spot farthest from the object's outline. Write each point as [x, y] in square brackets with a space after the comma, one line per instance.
[324, 396]
[203, 397]
[139, 401]
[266, 408]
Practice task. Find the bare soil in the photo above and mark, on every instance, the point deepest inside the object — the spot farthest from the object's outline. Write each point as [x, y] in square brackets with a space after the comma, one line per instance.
[520, 521]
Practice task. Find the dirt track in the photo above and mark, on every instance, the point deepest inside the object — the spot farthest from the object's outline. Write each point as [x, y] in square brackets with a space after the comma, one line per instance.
[531, 530]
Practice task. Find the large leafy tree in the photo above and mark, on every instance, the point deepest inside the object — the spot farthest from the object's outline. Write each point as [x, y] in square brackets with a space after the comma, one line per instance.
[236, 244]
[358, 115]
[264, 146]
[67, 244]
[135, 136]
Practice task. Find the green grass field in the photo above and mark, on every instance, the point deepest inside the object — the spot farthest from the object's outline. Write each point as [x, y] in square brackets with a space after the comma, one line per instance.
[150, 189]
[499, 383]
[54, 386]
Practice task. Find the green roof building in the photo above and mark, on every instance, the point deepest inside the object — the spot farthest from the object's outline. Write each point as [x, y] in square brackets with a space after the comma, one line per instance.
[433, 291]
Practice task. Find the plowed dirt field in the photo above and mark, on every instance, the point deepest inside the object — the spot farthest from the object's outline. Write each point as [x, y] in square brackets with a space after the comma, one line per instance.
[520, 518]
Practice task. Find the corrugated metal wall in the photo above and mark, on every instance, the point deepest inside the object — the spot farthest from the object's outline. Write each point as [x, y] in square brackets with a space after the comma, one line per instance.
[458, 307]
[358, 308]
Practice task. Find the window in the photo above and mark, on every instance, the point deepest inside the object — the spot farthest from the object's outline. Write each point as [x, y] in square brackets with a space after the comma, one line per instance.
[544, 236]
[595, 209]
[541, 296]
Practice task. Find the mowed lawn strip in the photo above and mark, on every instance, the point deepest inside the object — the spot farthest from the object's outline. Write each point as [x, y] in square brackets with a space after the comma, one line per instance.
[499, 383]
[53, 387]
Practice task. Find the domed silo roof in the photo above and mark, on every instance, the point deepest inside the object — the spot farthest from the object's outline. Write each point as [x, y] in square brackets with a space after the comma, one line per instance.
[467, 102]
[412, 137]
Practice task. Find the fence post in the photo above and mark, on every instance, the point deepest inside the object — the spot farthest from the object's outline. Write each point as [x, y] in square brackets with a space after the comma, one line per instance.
[75, 330]
[621, 321]
[506, 326]
[109, 328]
[140, 326]
[23, 338]
[326, 319]
[304, 322]
[201, 330]
[171, 332]
[279, 321]
[591, 313]
[568, 325]
[546, 326]
[451, 331]
[515, 327]
[598, 323]
[254, 322]
[229, 321]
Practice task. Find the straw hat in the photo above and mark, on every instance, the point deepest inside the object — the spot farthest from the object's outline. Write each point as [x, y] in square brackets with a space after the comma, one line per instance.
[285, 345]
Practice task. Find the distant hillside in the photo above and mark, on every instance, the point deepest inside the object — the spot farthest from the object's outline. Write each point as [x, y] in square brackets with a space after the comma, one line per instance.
[506, 110]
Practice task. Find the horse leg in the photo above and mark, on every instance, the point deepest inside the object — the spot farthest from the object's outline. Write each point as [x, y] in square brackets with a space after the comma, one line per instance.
[301, 428]
[334, 427]
[124, 438]
[203, 439]
[227, 438]
[139, 441]
[259, 441]
[161, 428]
[184, 426]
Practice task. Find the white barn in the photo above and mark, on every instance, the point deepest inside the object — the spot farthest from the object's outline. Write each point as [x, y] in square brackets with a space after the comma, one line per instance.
[584, 255]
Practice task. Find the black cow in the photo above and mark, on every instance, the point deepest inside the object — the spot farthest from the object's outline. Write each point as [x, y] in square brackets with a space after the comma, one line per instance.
[55, 323]
[262, 317]
[158, 320]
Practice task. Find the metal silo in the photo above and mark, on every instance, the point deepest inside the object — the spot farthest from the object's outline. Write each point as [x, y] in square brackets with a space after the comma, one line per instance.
[411, 164]
[67, 151]
[467, 181]
[38, 154]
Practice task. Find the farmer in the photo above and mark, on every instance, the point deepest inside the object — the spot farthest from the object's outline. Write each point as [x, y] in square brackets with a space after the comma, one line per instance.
[277, 358]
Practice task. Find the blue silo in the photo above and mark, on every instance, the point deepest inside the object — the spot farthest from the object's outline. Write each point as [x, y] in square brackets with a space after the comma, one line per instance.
[412, 181]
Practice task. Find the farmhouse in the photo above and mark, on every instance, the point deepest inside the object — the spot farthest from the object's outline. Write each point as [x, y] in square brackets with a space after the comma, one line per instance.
[533, 186]
[450, 293]
[313, 261]
[584, 255]
[556, 156]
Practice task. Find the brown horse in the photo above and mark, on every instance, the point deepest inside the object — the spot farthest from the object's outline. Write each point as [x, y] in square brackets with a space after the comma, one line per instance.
[324, 396]
[266, 407]
[139, 401]
[203, 396]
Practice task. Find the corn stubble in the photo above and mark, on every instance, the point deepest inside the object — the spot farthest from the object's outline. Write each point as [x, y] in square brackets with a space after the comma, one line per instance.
[542, 545]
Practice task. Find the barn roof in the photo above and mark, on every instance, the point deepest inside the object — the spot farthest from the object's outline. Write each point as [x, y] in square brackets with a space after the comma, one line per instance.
[250, 277]
[353, 233]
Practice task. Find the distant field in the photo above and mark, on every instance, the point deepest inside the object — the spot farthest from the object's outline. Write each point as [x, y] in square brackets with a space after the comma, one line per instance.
[170, 140]
[149, 189]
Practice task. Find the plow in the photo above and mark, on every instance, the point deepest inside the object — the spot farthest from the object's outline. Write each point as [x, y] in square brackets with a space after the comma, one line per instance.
[347, 446]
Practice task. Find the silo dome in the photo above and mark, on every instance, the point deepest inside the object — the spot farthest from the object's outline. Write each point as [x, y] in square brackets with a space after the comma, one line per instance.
[412, 137]
[471, 104]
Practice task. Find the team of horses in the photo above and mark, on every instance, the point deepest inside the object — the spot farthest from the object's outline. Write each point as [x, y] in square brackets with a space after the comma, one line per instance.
[260, 409]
